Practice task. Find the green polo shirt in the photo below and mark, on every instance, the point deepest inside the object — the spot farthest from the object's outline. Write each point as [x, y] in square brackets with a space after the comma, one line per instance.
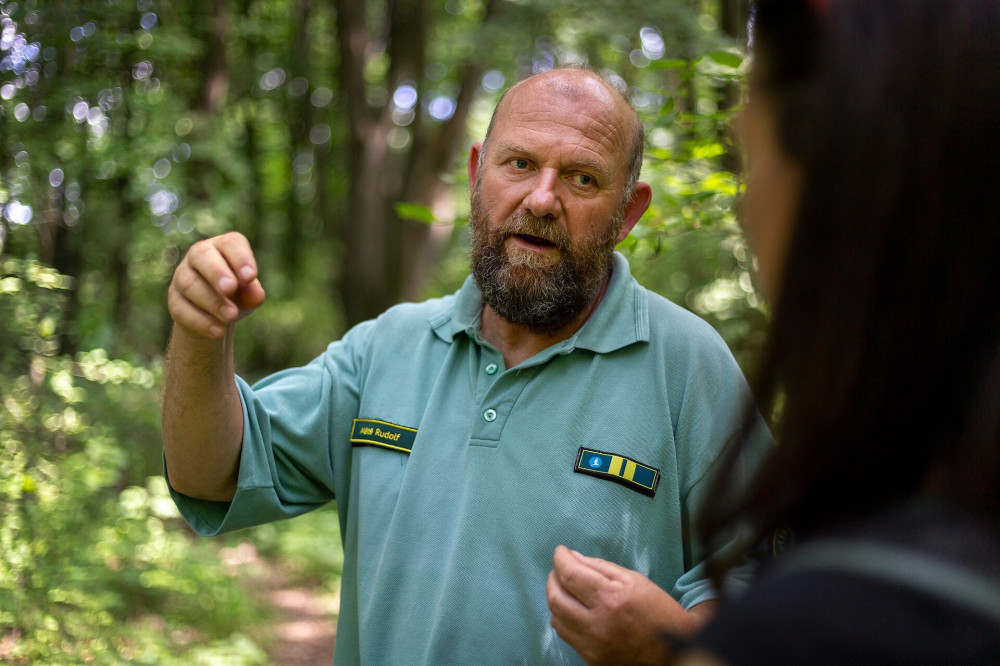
[456, 478]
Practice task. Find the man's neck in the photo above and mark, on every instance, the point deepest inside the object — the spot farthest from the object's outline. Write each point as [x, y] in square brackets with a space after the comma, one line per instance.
[517, 343]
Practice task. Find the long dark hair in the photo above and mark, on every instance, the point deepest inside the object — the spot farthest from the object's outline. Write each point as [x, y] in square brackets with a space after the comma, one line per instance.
[884, 350]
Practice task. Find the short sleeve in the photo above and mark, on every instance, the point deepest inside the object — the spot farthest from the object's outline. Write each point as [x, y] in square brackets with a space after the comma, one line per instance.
[295, 452]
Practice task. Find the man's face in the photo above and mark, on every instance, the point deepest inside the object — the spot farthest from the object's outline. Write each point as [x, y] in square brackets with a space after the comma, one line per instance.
[526, 287]
[546, 207]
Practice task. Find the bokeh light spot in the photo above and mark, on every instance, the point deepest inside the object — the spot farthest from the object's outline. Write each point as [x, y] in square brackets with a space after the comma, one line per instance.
[493, 81]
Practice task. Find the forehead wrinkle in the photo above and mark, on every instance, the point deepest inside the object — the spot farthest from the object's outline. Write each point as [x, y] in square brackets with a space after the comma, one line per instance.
[586, 84]
[576, 90]
[598, 116]
[584, 139]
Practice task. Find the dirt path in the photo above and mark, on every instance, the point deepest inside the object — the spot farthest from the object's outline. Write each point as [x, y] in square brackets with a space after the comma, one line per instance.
[305, 627]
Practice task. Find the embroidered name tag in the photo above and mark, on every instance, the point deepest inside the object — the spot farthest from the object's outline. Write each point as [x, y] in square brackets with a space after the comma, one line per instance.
[369, 432]
[628, 472]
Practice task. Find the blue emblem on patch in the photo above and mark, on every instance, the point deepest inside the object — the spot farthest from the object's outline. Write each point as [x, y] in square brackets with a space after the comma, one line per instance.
[595, 461]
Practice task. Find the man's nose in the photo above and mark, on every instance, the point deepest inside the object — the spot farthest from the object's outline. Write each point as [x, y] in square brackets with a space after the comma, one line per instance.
[543, 199]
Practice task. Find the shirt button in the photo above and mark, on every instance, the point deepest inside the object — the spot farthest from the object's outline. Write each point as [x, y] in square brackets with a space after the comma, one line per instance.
[490, 415]
[491, 369]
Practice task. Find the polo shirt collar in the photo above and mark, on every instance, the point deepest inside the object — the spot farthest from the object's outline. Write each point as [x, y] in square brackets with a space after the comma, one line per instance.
[621, 319]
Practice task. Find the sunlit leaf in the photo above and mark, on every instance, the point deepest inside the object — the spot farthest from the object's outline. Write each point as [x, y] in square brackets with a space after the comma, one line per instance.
[10, 285]
[706, 151]
[415, 212]
[726, 58]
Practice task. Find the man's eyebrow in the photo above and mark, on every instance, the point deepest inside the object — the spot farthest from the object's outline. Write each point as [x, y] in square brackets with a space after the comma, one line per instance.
[512, 148]
[591, 165]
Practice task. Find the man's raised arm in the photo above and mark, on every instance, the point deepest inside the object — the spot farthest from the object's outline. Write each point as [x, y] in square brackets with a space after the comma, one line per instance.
[213, 285]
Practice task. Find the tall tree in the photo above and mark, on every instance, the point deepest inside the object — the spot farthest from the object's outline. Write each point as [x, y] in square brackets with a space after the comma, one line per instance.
[386, 257]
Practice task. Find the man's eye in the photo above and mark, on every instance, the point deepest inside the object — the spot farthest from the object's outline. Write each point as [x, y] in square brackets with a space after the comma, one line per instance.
[584, 180]
[519, 163]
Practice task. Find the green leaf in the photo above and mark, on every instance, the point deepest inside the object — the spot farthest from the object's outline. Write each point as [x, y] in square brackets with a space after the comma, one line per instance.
[415, 212]
[726, 58]
[10, 285]
[707, 151]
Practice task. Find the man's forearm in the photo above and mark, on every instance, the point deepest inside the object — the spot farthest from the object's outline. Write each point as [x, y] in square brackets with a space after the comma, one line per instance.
[202, 416]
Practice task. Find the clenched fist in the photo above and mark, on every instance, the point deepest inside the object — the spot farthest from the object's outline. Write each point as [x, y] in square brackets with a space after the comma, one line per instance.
[214, 285]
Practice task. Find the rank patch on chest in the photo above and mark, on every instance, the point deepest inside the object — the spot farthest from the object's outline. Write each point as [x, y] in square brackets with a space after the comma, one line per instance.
[369, 432]
[620, 469]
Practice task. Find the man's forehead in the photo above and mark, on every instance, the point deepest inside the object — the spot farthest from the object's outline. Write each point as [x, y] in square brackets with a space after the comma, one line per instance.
[579, 86]
[566, 100]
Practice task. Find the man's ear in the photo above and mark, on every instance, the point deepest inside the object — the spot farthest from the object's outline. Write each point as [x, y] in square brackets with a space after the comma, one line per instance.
[473, 165]
[636, 206]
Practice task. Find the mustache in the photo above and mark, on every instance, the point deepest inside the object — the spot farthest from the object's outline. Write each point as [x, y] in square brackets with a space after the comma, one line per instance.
[526, 224]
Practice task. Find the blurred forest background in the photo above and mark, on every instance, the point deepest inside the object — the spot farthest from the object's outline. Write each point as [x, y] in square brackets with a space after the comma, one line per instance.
[333, 134]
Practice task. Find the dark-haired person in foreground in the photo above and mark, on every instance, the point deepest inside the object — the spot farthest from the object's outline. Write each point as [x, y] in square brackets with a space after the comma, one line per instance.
[873, 206]
[551, 400]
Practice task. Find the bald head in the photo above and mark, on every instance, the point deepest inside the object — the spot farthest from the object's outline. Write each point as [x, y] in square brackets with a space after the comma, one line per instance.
[579, 84]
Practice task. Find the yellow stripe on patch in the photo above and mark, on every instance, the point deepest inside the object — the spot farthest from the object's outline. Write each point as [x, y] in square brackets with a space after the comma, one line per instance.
[620, 469]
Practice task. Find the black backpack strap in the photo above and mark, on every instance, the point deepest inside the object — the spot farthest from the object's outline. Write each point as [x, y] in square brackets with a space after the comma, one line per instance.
[926, 573]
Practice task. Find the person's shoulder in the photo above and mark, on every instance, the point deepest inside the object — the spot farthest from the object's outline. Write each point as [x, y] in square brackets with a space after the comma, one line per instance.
[419, 309]
[672, 324]
[669, 317]
[410, 318]
[398, 327]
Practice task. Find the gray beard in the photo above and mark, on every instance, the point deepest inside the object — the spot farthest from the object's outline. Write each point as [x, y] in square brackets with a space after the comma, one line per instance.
[540, 298]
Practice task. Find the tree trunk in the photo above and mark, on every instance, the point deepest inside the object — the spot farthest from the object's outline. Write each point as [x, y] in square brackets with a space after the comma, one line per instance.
[364, 279]
[215, 83]
[388, 259]
[734, 24]
[122, 241]
[298, 114]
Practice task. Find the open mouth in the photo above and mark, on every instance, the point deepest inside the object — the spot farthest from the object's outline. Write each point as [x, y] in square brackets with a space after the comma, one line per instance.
[534, 240]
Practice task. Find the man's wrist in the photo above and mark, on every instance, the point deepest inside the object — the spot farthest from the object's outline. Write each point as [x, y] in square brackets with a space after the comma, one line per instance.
[700, 614]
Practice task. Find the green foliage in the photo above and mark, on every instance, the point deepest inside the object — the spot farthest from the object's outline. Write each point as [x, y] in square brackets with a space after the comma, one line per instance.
[414, 212]
[688, 246]
[94, 565]
[308, 549]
